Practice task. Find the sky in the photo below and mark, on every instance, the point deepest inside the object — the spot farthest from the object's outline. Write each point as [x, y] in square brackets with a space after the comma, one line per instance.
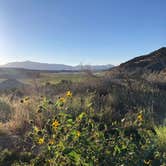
[80, 31]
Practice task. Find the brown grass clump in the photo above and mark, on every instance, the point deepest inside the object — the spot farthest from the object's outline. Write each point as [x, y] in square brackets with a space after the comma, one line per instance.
[3, 130]
[22, 111]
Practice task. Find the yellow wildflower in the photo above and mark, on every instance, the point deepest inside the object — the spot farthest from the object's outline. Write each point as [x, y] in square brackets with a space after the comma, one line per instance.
[41, 141]
[69, 94]
[78, 133]
[62, 99]
[51, 142]
[140, 117]
[36, 129]
[55, 124]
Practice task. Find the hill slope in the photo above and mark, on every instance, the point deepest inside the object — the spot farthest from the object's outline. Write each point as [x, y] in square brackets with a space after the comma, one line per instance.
[155, 61]
[152, 63]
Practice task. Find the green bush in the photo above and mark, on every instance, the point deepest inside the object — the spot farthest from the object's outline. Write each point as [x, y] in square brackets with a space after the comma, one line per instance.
[161, 137]
[62, 132]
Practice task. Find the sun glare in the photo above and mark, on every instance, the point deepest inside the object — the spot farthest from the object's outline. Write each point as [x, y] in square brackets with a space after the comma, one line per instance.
[2, 60]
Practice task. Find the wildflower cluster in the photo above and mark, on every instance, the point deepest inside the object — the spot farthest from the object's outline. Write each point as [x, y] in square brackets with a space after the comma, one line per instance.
[64, 99]
[61, 136]
[76, 139]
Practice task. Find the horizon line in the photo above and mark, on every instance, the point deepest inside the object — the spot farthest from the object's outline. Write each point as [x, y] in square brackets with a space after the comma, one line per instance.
[73, 65]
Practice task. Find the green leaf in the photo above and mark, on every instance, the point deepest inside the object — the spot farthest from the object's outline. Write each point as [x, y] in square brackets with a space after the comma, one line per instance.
[81, 115]
[75, 156]
[70, 121]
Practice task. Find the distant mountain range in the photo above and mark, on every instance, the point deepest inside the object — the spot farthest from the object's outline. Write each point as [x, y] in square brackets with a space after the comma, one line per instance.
[53, 67]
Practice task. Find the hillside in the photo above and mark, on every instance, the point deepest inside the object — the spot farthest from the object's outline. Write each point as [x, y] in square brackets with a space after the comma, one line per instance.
[152, 63]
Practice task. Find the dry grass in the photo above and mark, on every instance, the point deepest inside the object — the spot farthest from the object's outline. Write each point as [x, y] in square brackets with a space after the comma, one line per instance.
[20, 115]
[3, 130]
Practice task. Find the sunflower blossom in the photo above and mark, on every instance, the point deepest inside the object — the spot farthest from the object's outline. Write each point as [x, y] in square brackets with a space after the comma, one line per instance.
[41, 141]
[55, 124]
[69, 94]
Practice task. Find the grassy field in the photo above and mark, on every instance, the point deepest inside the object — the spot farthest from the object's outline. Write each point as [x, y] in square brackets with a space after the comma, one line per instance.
[55, 78]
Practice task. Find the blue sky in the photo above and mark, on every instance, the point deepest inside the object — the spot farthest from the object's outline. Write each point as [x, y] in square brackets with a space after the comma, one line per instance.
[86, 31]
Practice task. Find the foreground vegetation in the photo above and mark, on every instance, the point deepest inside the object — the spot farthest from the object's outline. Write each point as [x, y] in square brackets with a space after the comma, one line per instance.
[95, 123]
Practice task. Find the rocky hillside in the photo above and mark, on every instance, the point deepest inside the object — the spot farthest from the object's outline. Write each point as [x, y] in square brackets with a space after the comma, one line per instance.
[152, 64]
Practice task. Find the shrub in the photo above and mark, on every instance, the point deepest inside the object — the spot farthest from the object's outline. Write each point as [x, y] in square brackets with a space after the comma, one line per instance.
[66, 138]
[161, 137]
[67, 130]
